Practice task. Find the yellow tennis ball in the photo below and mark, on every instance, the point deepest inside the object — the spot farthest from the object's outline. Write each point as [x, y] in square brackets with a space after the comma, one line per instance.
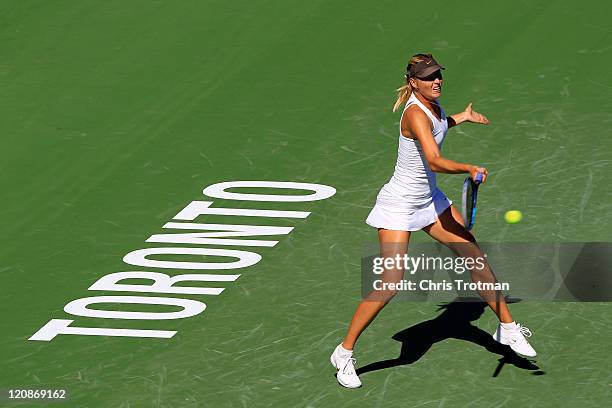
[513, 216]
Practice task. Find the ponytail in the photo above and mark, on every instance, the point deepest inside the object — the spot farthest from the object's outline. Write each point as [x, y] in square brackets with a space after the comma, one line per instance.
[403, 93]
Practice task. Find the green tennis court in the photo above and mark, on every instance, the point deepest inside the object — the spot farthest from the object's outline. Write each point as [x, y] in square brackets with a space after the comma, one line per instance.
[117, 114]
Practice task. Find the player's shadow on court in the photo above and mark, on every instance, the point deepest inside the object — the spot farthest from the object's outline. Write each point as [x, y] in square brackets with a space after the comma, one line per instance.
[455, 322]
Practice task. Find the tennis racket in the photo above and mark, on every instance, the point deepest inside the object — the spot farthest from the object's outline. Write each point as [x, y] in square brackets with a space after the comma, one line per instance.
[468, 197]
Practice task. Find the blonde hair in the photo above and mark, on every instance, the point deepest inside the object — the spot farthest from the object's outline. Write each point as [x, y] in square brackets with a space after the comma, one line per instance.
[404, 92]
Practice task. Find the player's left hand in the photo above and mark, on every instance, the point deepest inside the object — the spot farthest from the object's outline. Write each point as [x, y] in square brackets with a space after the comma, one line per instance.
[475, 117]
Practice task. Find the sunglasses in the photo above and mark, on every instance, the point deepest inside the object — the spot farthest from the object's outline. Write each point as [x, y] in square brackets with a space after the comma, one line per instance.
[433, 76]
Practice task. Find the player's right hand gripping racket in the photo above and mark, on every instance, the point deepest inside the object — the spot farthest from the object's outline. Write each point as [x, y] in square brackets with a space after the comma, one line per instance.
[468, 196]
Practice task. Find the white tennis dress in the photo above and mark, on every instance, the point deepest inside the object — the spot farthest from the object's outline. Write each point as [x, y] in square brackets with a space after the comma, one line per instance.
[411, 200]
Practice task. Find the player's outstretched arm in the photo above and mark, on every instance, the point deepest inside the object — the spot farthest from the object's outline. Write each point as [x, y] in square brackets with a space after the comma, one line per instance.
[468, 115]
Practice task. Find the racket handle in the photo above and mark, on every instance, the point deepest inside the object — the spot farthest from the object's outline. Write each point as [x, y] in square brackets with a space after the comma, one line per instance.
[479, 178]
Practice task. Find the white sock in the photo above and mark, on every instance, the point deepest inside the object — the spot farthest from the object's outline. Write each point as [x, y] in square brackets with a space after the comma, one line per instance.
[508, 326]
[344, 352]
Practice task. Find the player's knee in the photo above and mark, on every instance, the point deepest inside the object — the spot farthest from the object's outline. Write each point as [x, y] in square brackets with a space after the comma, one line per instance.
[466, 249]
[383, 295]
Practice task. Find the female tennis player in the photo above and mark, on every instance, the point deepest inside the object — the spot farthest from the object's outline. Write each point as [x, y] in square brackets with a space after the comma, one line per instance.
[411, 201]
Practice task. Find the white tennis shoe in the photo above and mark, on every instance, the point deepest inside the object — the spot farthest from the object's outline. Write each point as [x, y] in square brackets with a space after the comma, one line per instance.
[515, 338]
[345, 364]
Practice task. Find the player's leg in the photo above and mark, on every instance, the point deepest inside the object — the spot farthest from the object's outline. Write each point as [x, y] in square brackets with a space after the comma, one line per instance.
[449, 229]
[392, 243]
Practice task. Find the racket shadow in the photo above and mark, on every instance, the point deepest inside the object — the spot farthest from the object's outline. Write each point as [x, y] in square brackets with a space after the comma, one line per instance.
[455, 322]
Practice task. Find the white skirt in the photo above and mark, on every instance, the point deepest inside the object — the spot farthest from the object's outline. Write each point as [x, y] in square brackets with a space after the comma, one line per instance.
[408, 219]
